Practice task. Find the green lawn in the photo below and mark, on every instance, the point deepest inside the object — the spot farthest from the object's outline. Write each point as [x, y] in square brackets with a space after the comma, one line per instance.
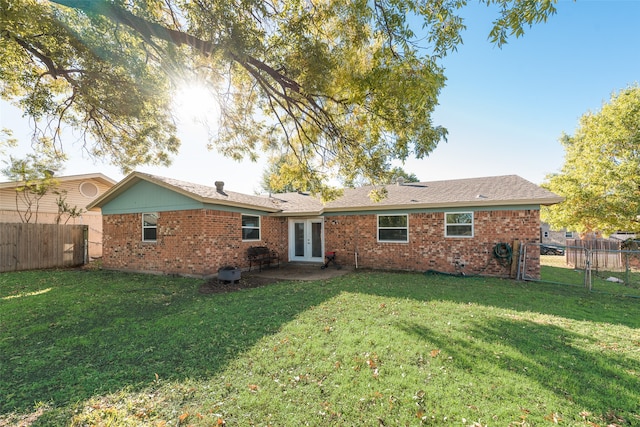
[102, 348]
[554, 269]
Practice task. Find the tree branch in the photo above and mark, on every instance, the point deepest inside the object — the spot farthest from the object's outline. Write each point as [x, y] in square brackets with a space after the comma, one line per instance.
[305, 104]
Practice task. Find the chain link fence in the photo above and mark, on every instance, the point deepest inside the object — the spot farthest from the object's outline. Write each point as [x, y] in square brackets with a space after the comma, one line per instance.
[597, 265]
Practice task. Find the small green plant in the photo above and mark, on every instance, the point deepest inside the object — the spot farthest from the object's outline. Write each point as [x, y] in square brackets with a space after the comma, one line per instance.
[64, 208]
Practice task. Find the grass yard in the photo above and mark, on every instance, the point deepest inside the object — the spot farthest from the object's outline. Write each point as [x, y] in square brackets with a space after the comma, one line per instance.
[86, 348]
[555, 269]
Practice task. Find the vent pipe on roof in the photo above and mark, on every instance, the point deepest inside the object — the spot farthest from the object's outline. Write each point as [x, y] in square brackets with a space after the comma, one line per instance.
[400, 181]
[220, 186]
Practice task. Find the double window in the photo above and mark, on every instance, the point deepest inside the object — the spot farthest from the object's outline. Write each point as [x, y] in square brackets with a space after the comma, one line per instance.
[250, 227]
[149, 227]
[393, 228]
[458, 224]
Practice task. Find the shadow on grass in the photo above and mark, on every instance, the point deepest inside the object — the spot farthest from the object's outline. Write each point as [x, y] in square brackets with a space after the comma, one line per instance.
[110, 331]
[546, 298]
[521, 351]
[100, 332]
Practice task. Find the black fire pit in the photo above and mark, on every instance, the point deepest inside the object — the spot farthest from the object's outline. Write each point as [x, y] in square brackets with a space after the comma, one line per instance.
[228, 274]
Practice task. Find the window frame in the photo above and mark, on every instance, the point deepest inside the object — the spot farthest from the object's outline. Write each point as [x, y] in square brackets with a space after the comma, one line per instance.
[450, 224]
[378, 228]
[246, 227]
[149, 227]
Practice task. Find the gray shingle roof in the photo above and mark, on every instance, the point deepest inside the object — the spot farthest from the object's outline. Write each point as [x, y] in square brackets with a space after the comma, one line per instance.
[211, 194]
[487, 191]
[460, 193]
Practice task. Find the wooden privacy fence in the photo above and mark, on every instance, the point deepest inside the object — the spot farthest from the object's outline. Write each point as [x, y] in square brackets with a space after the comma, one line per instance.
[35, 246]
[604, 254]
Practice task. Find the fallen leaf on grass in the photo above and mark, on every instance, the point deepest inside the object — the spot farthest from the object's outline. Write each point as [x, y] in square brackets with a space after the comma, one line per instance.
[553, 417]
[434, 353]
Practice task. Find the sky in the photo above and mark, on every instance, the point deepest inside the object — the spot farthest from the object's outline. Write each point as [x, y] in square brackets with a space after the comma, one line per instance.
[505, 108]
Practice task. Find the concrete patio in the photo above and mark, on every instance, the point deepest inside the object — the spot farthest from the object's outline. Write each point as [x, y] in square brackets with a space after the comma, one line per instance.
[299, 271]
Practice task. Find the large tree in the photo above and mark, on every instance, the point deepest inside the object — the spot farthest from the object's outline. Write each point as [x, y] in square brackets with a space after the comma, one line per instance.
[600, 178]
[341, 86]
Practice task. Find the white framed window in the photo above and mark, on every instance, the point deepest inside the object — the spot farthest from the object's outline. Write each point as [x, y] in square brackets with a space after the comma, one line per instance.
[250, 227]
[568, 235]
[393, 228]
[149, 227]
[458, 224]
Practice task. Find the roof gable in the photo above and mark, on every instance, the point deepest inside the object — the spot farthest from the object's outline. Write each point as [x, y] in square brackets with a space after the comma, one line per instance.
[177, 194]
[146, 196]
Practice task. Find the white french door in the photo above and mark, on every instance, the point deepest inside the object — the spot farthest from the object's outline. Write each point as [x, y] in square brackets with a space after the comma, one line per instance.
[306, 240]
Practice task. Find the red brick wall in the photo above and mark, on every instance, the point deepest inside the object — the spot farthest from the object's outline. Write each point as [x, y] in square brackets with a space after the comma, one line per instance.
[199, 242]
[191, 242]
[427, 248]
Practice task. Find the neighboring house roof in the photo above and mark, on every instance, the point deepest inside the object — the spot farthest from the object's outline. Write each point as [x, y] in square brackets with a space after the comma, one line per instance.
[509, 190]
[82, 177]
[78, 190]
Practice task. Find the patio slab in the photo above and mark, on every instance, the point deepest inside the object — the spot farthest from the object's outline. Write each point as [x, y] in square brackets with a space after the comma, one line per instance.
[299, 271]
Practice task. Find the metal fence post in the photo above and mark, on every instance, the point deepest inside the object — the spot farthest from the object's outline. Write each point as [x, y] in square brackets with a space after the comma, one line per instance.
[587, 268]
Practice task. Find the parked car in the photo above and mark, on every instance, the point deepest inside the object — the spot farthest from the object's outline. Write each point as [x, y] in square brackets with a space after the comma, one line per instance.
[550, 250]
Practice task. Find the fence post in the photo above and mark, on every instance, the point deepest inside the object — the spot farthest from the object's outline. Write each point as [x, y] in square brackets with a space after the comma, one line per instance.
[85, 240]
[587, 268]
[627, 267]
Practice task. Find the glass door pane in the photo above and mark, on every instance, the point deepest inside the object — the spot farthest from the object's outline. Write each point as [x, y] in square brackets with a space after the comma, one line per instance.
[299, 240]
[316, 239]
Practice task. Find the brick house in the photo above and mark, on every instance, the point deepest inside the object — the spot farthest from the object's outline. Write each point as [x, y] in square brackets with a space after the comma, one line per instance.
[162, 225]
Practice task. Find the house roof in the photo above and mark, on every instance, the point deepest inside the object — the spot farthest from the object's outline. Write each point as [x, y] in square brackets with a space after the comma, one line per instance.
[82, 177]
[471, 192]
[201, 193]
[510, 190]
